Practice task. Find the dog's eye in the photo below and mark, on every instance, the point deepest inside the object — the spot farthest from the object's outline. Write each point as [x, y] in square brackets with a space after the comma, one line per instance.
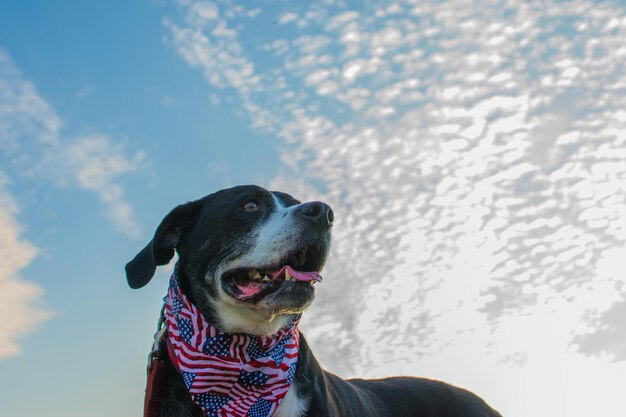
[251, 206]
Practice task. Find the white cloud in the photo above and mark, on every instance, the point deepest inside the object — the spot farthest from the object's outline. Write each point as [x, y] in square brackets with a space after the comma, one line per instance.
[311, 44]
[23, 111]
[287, 18]
[342, 19]
[35, 147]
[204, 11]
[97, 162]
[19, 299]
[478, 190]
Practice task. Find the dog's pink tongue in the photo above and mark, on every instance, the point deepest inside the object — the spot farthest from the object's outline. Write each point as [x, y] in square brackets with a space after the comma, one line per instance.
[247, 292]
[303, 276]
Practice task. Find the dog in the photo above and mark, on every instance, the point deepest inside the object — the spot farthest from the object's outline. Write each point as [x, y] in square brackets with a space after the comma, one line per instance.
[248, 263]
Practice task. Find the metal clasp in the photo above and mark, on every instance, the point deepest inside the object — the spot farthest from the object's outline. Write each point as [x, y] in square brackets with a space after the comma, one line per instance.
[155, 353]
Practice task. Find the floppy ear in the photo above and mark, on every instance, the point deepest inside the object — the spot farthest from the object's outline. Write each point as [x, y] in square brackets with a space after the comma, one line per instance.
[160, 250]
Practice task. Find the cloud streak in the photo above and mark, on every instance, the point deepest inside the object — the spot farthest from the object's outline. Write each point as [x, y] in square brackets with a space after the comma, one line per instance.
[19, 299]
[34, 147]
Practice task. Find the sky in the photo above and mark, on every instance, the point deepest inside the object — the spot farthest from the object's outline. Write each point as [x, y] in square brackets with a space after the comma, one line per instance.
[474, 153]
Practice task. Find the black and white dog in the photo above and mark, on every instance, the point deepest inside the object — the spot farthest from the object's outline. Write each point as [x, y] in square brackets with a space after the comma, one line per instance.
[229, 245]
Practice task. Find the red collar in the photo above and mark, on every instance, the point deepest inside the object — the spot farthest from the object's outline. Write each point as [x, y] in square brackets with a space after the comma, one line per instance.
[156, 376]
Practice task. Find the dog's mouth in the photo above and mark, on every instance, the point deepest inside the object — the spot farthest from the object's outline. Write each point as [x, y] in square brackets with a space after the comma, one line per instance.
[298, 269]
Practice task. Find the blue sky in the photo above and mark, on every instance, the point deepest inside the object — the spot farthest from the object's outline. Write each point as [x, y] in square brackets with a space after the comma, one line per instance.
[474, 157]
[109, 75]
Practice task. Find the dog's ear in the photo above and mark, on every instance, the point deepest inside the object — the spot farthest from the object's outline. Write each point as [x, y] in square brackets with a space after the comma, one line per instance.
[160, 250]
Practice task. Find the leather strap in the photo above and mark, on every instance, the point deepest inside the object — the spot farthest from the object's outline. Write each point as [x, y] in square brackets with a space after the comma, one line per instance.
[154, 385]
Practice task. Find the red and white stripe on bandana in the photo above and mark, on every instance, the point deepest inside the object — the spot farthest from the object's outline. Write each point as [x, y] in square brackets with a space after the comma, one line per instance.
[229, 375]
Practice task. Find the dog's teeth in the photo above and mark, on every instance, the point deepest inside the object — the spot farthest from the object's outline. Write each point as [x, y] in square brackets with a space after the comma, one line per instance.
[254, 274]
[287, 275]
[266, 278]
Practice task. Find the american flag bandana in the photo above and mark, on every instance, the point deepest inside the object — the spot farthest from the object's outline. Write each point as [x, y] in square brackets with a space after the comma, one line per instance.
[229, 375]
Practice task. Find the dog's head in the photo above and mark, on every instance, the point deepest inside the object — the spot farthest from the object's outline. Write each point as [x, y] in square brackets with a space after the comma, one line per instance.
[248, 257]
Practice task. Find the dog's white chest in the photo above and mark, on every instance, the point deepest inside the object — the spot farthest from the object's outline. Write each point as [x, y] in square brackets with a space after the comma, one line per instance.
[292, 405]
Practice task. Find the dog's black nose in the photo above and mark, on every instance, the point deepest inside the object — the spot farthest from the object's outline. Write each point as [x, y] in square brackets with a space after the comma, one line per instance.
[318, 212]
